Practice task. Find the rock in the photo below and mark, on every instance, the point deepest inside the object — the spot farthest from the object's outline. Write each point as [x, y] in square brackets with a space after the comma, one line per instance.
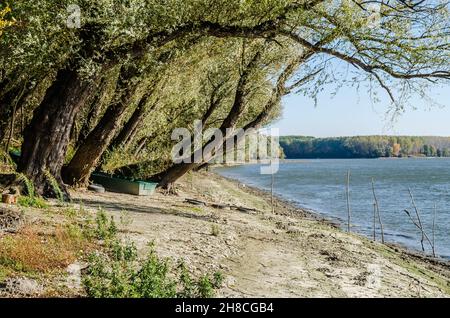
[74, 275]
[10, 220]
[230, 281]
[293, 230]
[21, 287]
[96, 188]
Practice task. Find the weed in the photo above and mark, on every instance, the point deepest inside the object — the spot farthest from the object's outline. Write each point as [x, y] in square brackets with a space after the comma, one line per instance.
[106, 229]
[55, 186]
[120, 274]
[125, 219]
[215, 230]
[32, 202]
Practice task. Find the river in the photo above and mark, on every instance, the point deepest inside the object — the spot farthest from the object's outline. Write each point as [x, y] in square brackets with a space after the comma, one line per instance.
[320, 185]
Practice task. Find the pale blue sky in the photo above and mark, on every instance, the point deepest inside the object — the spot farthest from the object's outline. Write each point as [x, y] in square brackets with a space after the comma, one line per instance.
[351, 113]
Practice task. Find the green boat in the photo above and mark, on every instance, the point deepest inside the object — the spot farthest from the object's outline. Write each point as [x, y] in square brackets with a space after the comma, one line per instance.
[121, 185]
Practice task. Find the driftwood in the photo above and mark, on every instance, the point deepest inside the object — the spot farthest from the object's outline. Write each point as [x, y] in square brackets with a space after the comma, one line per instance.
[195, 202]
[221, 206]
[9, 198]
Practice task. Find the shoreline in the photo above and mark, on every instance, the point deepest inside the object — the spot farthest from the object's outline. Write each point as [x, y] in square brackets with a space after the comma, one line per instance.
[319, 217]
[292, 253]
[404, 239]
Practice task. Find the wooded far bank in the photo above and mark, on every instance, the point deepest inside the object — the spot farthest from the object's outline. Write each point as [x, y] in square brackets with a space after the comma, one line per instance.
[300, 147]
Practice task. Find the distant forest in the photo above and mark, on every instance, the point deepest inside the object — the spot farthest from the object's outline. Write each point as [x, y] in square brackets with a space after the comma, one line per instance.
[299, 147]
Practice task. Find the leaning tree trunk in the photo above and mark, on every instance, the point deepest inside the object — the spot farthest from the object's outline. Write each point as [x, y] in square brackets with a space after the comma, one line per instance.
[47, 136]
[88, 155]
[130, 128]
[7, 102]
[176, 171]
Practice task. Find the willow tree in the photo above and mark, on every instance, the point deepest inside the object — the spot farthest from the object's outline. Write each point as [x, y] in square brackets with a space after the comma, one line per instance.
[110, 33]
[400, 46]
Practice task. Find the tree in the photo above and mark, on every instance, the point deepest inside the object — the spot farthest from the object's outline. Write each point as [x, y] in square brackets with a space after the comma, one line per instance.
[401, 55]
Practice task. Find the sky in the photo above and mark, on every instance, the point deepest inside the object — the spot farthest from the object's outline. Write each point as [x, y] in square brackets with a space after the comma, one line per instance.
[351, 113]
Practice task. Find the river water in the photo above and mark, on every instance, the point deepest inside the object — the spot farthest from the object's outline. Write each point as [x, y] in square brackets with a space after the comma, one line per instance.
[320, 185]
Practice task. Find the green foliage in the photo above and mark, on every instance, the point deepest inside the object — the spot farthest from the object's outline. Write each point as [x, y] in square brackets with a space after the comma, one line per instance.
[55, 186]
[121, 274]
[29, 186]
[106, 229]
[31, 199]
[167, 52]
[32, 202]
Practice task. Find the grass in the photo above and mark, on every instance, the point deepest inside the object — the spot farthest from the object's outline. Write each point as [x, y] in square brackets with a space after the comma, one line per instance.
[195, 209]
[414, 267]
[114, 269]
[32, 251]
[32, 202]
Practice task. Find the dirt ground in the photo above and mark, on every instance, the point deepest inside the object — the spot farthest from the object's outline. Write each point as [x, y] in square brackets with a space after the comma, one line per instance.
[287, 254]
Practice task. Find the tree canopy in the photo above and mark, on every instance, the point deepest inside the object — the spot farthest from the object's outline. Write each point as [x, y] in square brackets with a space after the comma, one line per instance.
[107, 93]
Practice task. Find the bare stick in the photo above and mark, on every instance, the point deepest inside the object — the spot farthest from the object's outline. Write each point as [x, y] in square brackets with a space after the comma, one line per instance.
[349, 212]
[378, 211]
[434, 227]
[420, 228]
[271, 187]
[418, 218]
[374, 221]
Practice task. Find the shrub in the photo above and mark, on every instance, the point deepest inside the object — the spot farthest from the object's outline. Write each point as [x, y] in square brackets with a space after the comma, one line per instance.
[32, 202]
[120, 274]
[106, 229]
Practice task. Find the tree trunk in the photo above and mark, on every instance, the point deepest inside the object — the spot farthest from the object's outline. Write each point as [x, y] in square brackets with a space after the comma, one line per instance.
[91, 150]
[100, 99]
[130, 128]
[47, 136]
[6, 111]
[175, 172]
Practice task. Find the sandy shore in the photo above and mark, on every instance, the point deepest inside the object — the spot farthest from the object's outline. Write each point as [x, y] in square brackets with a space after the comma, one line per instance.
[291, 253]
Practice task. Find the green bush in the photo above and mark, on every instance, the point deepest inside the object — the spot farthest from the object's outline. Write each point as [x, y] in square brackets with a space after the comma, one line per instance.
[106, 229]
[119, 273]
[32, 202]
